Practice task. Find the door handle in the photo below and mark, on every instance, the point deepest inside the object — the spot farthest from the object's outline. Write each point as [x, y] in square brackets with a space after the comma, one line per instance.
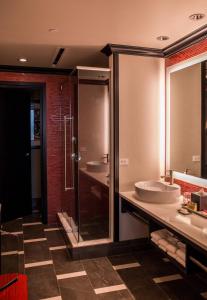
[27, 154]
[76, 157]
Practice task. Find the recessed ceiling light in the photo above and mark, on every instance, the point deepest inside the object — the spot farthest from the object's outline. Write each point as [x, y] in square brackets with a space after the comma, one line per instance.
[163, 38]
[23, 59]
[196, 17]
[52, 30]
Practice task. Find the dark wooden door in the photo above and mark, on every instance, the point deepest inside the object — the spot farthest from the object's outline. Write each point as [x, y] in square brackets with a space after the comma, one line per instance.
[15, 158]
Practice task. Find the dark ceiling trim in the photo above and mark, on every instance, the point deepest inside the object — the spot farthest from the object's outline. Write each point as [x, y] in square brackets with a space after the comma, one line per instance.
[185, 42]
[131, 50]
[39, 70]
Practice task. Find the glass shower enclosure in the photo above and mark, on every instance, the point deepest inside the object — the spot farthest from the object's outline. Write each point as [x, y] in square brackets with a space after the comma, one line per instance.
[87, 157]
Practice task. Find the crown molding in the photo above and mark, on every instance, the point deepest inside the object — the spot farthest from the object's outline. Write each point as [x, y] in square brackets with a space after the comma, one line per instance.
[131, 50]
[181, 44]
[186, 41]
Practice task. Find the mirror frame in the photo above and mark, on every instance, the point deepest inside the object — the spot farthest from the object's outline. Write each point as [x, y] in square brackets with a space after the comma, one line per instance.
[171, 69]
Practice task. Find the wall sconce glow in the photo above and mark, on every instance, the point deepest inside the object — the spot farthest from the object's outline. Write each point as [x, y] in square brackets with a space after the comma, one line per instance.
[23, 59]
[162, 118]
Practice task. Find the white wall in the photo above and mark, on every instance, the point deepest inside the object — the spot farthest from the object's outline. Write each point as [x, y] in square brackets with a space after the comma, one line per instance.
[141, 125]
[139, 138]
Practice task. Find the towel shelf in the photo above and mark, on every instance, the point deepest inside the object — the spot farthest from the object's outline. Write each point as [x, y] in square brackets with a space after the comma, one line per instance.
[193, 250]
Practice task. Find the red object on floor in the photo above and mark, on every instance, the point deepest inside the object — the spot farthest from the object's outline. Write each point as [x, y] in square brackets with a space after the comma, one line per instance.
[17, 291]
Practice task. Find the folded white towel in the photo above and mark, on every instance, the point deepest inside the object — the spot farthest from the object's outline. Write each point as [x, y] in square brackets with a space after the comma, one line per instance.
[181, 253]
[172, 240]
[162, 247]
[181, 245]
[181, 261]
[163, 242]
[171, 248]
[154, 241]
[159, 234]
[172, 254]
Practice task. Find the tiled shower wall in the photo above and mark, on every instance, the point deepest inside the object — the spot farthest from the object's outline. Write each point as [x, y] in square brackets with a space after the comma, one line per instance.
[57, 104]
[190, 52]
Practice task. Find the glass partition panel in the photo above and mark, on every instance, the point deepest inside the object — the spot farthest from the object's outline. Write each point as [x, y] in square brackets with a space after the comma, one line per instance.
[93, 154]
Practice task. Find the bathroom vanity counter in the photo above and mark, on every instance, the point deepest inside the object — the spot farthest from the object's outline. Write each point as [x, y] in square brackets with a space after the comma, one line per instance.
[167, 215]
[101, 177]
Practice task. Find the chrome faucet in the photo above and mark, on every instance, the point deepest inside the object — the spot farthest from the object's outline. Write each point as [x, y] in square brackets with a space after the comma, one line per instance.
[106, 156]
[187, 171]
[171, 176]
[168, 177]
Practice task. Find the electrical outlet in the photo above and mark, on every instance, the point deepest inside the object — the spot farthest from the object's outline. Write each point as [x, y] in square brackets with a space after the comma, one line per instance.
[196, 158]
[124, 161]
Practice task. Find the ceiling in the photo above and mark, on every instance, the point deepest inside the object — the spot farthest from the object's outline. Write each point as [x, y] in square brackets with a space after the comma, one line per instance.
[84, 27]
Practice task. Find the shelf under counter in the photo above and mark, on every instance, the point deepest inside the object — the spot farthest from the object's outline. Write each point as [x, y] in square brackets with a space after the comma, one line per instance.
[166, 216]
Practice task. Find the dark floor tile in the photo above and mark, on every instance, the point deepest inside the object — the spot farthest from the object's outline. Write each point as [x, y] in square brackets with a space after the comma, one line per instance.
[202, 276]
[53, 225]
[122, 259]
[55, 238]
[120, 295]
[35, 217]
[21, 264]
[20, 238]
[179, 290]
[33, 232]
[197, 283]
[154, 292]
[135, 278]
[63, 263]
[10, 264]
[42, 282]
[12, 226]
[77, 288]
[9, 243]
[101, 273]
[154, 265]
[36, 251]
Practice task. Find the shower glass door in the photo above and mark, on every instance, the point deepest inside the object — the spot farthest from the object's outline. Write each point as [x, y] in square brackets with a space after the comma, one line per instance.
[91, 145]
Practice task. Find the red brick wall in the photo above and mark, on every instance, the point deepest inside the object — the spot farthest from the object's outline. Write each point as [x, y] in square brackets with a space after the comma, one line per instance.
[194, 50]
[54, 130]
[187, 53]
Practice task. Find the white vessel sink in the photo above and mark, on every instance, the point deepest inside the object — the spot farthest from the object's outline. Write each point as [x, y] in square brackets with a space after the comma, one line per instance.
[157, 192]
[96, 166]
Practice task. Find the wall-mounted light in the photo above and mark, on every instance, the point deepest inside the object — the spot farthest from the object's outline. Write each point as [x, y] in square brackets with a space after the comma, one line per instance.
[196, 17]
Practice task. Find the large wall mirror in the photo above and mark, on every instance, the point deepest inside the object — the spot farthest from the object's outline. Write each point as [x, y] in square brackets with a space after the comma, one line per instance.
[187, 117]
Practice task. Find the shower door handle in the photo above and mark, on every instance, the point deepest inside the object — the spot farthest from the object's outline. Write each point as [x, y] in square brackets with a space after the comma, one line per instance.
[76, 157]
[71, 119]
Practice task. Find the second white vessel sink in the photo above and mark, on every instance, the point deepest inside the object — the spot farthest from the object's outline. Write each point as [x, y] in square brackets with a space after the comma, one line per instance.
[157, 192]
[96, 166]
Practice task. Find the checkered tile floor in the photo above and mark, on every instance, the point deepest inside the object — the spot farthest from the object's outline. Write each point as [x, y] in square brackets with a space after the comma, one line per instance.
[52, 274]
